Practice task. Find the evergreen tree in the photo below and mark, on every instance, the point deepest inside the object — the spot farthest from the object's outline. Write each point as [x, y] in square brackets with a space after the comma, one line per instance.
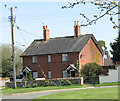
[115, 50]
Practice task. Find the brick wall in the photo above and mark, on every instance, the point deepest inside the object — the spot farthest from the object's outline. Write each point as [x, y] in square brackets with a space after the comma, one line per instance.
[90, 54]
[56, 65]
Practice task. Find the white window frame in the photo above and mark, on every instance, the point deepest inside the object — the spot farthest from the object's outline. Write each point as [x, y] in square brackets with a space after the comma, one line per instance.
[49, 74]
[35, 75]
[34, 59]
[49, 58]
[64, 57]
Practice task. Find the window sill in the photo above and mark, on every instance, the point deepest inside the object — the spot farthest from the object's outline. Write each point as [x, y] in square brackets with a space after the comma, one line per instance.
[34, 63]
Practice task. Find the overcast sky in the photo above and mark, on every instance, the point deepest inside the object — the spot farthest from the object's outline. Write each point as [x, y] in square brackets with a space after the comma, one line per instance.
[31, 16]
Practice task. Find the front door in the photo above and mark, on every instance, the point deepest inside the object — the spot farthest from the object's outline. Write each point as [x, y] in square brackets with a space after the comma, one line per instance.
[72, 73]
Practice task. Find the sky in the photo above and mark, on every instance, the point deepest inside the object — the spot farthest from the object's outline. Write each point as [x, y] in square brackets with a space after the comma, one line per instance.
[31, 16]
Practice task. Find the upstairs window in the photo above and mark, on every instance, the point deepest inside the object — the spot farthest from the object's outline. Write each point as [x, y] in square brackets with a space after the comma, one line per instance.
[64, 57]
[34, 59]
[49, 58]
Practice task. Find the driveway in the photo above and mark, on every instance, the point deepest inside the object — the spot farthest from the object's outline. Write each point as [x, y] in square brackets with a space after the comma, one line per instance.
[33, 95]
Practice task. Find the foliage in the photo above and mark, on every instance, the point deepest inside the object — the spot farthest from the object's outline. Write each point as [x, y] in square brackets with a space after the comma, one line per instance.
[102, 44]
[34, 85]
[67, 82]
[115, 50]
[7, 69]
[91, 69]
[46, 83]
[30, 77]
[105, 8]
[28, 86]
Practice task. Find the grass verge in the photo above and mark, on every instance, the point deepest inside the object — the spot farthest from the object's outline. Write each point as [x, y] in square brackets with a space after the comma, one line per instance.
[99, 93]
[108, 84]
[8, 91]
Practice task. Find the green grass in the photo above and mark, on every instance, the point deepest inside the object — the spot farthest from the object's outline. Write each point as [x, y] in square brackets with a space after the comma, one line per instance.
[108, 84]
[7, 91]
[98, 93]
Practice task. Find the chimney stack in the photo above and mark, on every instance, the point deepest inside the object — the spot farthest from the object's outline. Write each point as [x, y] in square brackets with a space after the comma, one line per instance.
[45, 33]
[77, 32]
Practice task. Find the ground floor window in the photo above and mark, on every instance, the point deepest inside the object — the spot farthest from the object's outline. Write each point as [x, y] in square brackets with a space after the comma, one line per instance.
[35, 75]
[49, 74]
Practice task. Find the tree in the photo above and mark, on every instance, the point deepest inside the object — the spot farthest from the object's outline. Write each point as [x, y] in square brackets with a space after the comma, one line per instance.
[105, 7]
[91, 69]
[7, 69]
[102, 44]
[115, 50]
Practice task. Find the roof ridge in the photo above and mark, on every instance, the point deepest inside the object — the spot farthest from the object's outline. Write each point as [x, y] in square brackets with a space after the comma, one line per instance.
[63, 37]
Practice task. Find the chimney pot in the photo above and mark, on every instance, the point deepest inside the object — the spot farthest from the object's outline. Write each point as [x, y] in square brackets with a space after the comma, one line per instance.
[74, 23]
[43, 27]
[78, 23]
[46, 26]
[45, 33]
[77, 32]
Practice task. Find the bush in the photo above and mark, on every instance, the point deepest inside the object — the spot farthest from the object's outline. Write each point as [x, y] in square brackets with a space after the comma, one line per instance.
[30, 77]
[28, 86]
[34, 85]
[91, 69]
[46, 83]
[68, 82]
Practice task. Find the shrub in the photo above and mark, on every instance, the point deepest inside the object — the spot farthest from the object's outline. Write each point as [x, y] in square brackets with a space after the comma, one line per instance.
[34, 85]
[28, 86]
[30, 77]
[46, 83]
[68, 82]
[91, 69]
[62, 81]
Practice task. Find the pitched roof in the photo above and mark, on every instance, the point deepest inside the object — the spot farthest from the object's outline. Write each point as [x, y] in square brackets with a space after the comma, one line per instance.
[108, 62]
[57, 45]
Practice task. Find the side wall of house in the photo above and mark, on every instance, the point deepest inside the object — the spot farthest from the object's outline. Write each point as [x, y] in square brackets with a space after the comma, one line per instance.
[56, 66]
[90, 54]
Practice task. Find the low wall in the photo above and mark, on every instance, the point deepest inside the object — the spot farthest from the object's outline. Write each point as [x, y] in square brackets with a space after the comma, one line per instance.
[48, 82]
[112, 76]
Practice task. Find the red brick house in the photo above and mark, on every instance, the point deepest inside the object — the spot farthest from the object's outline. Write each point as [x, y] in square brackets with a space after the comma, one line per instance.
[57, 57]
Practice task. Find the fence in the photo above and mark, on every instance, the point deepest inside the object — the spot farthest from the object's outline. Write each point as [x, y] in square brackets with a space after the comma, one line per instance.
[49, 82]
[91, 79]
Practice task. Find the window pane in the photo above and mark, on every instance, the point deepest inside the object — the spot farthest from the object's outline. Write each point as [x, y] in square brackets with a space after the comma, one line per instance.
[34, 59]
[49, 74]
[64, 57]
[49, 58]
[35, 75]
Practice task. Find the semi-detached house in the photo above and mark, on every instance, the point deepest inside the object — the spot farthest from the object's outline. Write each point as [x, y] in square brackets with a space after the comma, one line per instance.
[59, 57]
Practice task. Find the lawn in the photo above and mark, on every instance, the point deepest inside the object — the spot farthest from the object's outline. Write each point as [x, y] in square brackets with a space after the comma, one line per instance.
[108, 84]
[7, 91]
[98, 93]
